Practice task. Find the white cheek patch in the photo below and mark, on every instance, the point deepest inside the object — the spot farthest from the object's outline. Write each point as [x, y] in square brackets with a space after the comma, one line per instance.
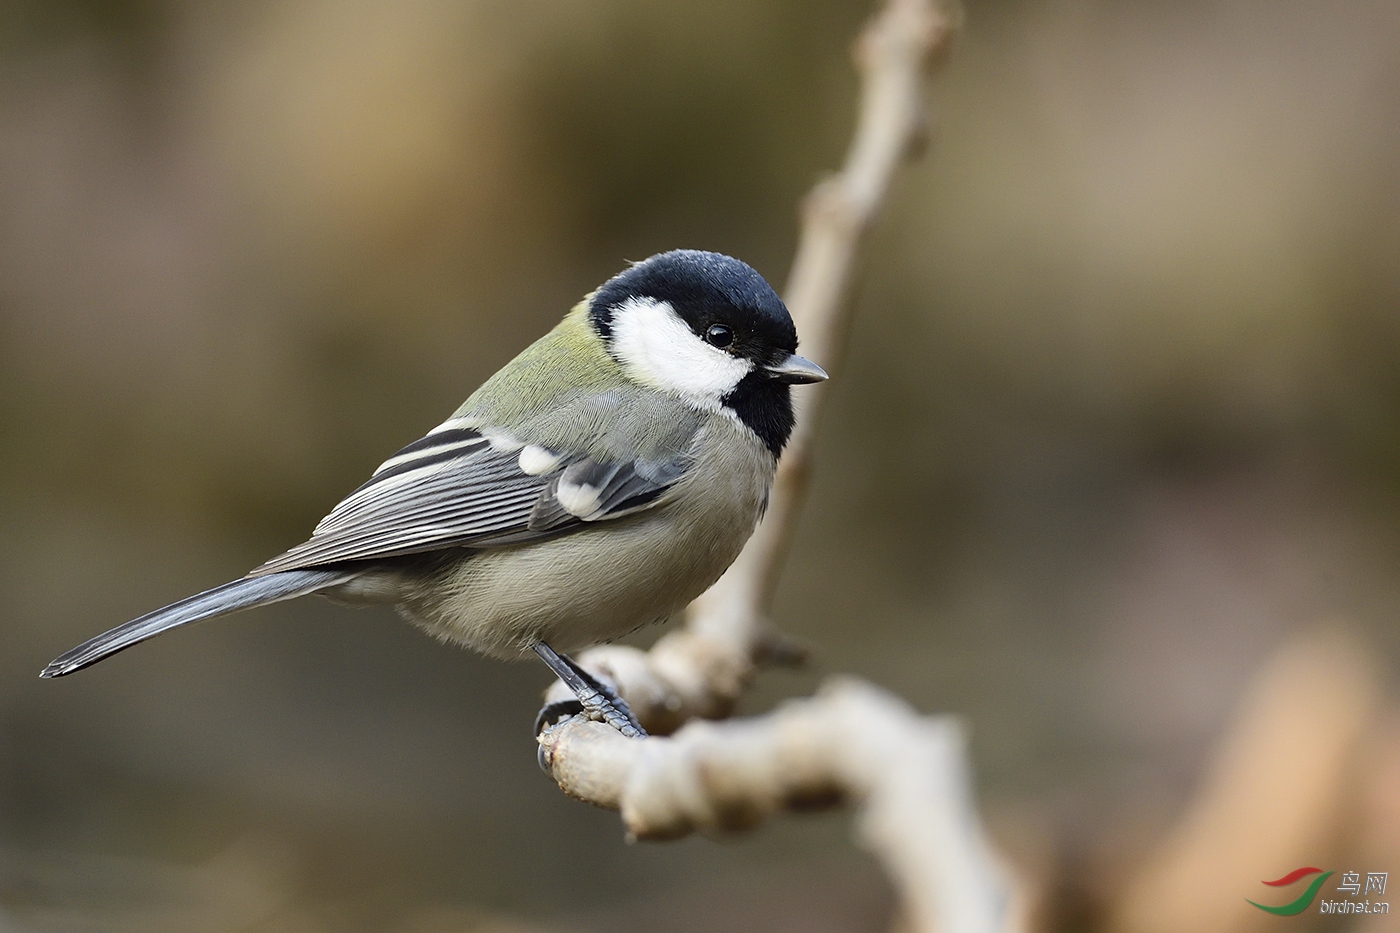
[658, 349]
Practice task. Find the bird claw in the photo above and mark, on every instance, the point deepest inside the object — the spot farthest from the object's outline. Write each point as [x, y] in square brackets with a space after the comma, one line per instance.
[555, 712]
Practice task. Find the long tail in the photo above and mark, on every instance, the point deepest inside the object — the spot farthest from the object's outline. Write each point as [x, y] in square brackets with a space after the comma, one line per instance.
[231, 597]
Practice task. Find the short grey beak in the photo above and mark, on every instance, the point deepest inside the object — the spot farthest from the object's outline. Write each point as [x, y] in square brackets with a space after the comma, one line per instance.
[797, 370]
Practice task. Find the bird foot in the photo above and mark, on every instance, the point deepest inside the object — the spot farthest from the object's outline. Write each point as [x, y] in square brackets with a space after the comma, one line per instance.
[593, 697]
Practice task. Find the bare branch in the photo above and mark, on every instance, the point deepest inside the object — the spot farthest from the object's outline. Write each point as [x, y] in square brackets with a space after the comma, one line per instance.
[851, 743]
[702, 670]
[892, 56]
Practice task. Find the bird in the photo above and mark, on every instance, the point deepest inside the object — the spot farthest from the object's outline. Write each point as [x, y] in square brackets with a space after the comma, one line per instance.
[598, 482]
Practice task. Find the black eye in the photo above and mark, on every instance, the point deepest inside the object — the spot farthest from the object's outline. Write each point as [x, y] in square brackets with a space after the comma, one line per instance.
[719, 336]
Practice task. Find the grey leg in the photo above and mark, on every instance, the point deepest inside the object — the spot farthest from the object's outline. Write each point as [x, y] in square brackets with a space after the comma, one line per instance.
[595, 698]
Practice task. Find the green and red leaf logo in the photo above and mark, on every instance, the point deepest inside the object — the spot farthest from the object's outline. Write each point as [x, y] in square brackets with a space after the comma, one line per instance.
[1304, 899]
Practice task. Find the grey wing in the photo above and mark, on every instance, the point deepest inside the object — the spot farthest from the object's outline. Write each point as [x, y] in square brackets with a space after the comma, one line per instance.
[458, 488]
[588, 490]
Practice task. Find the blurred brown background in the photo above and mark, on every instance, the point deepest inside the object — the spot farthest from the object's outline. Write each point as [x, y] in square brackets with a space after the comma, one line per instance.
[1121, 415]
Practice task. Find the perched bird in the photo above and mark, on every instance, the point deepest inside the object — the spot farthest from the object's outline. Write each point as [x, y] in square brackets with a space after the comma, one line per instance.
[598, 482]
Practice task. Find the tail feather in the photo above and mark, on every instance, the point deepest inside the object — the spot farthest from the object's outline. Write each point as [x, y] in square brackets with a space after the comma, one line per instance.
[231, 597]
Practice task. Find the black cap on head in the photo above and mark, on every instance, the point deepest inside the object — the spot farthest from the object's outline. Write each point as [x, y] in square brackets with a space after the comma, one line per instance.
[719, 299]
[705, 289]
